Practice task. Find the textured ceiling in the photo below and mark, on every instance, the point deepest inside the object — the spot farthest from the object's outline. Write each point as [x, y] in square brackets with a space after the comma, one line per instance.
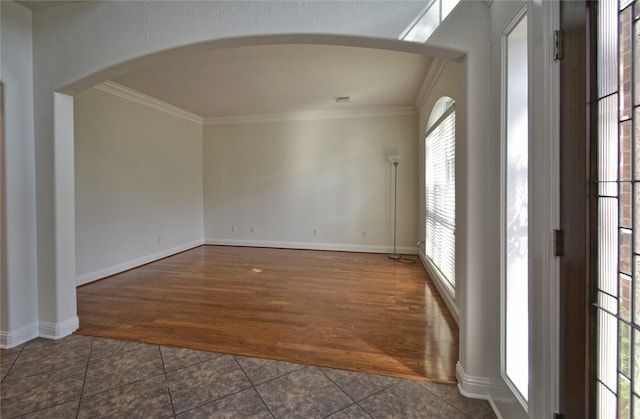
[280, 79]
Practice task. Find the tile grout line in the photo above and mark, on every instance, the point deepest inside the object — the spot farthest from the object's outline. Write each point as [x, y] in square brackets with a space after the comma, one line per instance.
[304, 367]
[126, 351]
[166, 380]
[84, 379]
[253, 386]
[219, 398]
[341, 389]
[153, 376]
[220, 355]
[163, 373]
[456, 408]
[365, 410]
[124, 385]
[375, 394]
[13, 363]
[33, 374]
[216, 400]
[357, 402]
[445, 400]
[243, 371]
[43, 409]
[341, 410]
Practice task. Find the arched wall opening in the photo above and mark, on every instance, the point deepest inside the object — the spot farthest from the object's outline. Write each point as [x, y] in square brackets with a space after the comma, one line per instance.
[78, 45]
[64, 124]
[100, 75]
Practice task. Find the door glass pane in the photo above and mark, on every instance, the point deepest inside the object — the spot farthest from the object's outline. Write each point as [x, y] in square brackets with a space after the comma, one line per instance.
[636, 363]
[607, 45]
[624, 348]
[625, 67]
[618, 171]
[517, 211]
[624, 397]
[606, 402]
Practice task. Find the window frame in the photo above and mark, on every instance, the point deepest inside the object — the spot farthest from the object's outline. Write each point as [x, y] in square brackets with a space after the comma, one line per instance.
[446, 107]
[523, 399]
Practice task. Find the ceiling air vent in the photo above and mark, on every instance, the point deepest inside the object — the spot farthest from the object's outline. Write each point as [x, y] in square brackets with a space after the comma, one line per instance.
[343, 99]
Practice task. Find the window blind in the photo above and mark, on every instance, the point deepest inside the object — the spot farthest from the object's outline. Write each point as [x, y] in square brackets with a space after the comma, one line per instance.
[440, 183]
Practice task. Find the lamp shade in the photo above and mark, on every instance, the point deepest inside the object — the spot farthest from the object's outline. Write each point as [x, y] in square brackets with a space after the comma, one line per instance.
[394, 159]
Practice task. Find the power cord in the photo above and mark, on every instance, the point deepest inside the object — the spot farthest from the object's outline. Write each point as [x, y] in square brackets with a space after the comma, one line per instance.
[407, 261]
[410, 261]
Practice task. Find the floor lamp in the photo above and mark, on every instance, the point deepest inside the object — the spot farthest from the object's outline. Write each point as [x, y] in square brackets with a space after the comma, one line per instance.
[396, 161]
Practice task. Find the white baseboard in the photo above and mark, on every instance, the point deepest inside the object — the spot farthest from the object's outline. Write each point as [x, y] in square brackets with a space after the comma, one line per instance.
[312, 246]
[41, 329]
[125, 266]
[49, 330]
[473, 387]
[14, 338]
[112, 270]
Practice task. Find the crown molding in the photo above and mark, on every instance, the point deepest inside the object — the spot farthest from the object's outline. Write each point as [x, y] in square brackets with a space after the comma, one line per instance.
[430, 80]
[313, 115]
[131, 95]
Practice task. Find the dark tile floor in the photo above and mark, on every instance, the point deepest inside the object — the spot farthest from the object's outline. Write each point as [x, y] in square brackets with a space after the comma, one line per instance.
[87, 377]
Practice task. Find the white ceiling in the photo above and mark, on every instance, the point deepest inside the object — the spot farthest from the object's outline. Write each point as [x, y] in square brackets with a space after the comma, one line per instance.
[278, 79]
[281, 79]
[41, 4]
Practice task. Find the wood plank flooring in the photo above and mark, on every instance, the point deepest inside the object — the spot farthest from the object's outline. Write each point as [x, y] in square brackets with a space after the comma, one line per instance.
[354, 311]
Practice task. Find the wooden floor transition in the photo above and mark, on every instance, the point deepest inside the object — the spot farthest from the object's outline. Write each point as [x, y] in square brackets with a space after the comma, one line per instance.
[354, 311]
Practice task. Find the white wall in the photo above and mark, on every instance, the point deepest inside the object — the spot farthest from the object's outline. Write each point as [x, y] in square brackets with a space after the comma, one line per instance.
[138, 184]
[288, 178]
[478, 174]
[19, 303]
[76, 46]
[477, 210]
[79, 45]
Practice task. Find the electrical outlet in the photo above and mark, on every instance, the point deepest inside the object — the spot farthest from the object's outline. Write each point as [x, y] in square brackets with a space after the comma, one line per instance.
[233, 229]
[364, 234]
[159, 238]
[252, 229]
[315, 231]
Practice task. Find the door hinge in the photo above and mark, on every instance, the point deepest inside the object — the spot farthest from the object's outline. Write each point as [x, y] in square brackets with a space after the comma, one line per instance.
[558, 242]
[558, 45]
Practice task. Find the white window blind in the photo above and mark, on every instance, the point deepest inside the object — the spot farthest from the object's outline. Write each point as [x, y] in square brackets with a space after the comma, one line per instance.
[440, 183]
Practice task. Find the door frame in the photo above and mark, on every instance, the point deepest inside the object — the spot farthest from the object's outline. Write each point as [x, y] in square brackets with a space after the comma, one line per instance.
[578, 215]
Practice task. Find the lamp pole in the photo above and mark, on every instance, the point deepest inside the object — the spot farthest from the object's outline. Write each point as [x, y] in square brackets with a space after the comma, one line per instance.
[395, 162]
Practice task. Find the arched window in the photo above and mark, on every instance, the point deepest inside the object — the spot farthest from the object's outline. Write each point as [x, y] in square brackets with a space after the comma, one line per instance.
[440, 190]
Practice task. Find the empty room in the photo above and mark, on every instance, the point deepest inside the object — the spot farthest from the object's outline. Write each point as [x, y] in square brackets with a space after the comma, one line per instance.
[309, 228]
[311, 209]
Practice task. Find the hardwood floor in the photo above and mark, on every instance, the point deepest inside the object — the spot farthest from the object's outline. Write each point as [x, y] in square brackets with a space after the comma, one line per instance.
[354, 311]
